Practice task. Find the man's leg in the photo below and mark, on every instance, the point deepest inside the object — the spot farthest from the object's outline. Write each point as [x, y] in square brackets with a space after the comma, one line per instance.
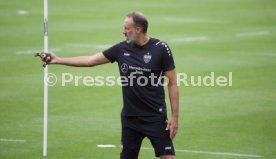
[131, 139]
[167, 157]
[160, 138]
[131, 143]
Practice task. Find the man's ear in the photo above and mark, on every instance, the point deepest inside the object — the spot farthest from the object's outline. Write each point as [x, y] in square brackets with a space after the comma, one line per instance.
[138, 29]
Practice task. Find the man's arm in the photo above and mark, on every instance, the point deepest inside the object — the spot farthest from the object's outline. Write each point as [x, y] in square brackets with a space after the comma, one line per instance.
[174, 100]
[81, 61]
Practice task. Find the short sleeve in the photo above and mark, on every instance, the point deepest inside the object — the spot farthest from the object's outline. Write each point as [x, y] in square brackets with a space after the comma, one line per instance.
[167, 62]
[112, 52]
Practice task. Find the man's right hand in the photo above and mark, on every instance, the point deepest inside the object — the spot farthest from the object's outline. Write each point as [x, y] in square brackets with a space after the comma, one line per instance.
[48, 58]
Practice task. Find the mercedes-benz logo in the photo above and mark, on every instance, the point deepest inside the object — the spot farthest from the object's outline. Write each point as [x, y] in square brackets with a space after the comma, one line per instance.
[124, 68]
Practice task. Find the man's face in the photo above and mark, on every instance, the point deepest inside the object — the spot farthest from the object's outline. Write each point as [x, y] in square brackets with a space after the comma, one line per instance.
[130, 30]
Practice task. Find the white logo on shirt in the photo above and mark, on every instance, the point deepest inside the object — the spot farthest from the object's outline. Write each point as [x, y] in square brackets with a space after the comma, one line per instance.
[147, 58]
[168, 148]
[124, 67]
[126, 54]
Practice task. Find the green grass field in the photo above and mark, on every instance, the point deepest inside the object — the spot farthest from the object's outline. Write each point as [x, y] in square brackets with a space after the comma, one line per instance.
[218, 36]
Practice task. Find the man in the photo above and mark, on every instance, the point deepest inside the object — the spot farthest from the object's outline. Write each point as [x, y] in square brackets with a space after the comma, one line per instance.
[143, 61]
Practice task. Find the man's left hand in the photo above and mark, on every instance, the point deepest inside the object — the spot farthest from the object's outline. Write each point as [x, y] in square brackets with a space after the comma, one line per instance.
[172, 126]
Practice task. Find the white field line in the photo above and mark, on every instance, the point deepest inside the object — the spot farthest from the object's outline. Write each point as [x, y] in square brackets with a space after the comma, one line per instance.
[192, 20]
[22, 52]
[11, 140]
[266, 54]
[106, 146]
[214, 153]
[94, 46]
[259, 33]
[22, 12]
[190, 39]
[197, 152]
[254, 54]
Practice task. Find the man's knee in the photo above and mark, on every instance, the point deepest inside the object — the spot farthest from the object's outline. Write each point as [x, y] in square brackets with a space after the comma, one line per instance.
[167, 157]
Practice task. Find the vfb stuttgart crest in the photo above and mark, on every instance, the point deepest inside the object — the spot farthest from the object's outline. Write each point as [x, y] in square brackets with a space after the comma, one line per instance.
[147, 58]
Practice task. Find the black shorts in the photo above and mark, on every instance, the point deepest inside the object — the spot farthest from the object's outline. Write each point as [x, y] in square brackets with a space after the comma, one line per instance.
[135, 129]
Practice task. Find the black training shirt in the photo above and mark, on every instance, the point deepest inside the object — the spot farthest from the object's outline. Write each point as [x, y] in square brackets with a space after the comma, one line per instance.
[141, 69]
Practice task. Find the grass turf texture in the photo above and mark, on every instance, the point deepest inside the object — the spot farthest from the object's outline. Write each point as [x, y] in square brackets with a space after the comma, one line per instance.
[239, 119]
